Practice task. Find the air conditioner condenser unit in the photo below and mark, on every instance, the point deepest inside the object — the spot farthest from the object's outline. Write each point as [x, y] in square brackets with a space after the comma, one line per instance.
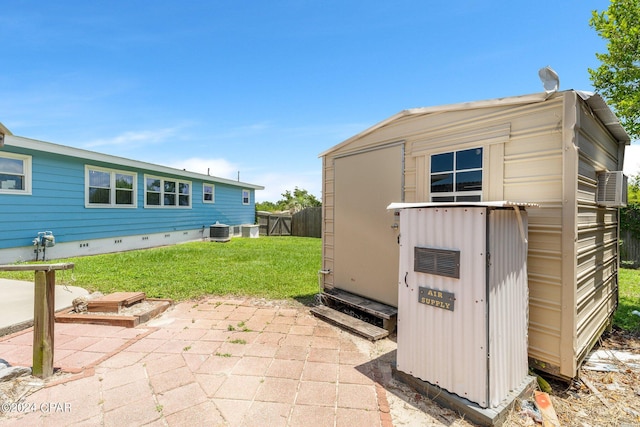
[612, 189]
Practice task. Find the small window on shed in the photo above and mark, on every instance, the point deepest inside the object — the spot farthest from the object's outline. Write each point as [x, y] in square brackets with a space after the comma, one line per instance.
[457, 176]
[246, 194]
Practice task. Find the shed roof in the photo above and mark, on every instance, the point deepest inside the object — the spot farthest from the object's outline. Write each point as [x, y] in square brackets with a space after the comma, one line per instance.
[49, 147]
[493, 204]
[594, 100]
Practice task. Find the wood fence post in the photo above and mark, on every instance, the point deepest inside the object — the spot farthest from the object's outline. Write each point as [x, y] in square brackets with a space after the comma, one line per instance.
[43, 323]
[44, 307]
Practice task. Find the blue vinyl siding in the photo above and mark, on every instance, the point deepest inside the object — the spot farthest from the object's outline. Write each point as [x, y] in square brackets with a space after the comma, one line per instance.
[57, 204]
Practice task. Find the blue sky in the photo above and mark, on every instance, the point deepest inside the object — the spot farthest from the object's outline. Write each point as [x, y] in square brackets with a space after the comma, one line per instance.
[262, 87]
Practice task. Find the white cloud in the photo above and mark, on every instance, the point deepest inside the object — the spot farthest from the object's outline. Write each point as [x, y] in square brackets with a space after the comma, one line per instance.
[632, 160]
[136, 138]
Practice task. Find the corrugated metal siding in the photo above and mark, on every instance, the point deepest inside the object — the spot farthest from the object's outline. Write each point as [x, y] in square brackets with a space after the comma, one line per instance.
[597, 247]
[445, 348]
[508, 303]
[450, 348]
[57, 203]
[536, 139]
[328, 233]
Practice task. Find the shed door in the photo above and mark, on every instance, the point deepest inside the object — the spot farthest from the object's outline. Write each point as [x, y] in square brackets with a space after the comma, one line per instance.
[366, 233]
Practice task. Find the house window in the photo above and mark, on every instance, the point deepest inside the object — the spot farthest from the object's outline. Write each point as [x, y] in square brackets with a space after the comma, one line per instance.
[457, 176]
[15, 174]
[110, 188]
[169, 193]
[208, 193]
[246, 197]
[166, 192]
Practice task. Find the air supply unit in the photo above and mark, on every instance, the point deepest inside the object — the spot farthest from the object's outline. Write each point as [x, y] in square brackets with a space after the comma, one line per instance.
[463, 297]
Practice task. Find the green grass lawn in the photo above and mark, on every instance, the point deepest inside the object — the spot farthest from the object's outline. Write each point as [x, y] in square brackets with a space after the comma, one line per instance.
[268, 267]
[628, 300]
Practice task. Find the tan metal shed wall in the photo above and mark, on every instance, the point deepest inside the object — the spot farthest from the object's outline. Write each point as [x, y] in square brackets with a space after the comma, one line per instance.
[523, 161]
[597, 234]
[531, 154]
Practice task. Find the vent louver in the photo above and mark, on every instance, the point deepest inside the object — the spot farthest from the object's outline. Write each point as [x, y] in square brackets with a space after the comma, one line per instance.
[440, 262]
[612, 189]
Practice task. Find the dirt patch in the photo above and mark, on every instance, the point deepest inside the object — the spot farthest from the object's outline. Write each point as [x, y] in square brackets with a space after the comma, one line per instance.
[607, 392]
[612, 399]
[13, 393]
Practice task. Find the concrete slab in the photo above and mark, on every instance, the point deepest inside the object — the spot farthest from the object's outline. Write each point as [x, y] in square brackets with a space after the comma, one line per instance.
[16, 303]
[471, 411]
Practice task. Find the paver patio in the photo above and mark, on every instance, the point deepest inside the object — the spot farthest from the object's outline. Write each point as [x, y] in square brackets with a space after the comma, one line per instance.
[214, 362]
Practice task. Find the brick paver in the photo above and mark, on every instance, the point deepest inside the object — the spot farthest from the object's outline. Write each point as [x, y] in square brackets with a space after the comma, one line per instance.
[215, 362]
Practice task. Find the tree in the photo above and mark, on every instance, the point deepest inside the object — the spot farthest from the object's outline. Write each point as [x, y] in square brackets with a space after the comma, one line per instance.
[298, 200]
[266, 206]
[293, 202]
[618, 77]
[633, 189]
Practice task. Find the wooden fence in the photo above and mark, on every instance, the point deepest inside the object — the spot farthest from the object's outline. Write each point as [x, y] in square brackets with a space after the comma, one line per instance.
[306, 223]
[274, 224]
[629, 249]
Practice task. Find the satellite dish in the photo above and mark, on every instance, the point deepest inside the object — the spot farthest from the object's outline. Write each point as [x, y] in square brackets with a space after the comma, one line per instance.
[549, 78]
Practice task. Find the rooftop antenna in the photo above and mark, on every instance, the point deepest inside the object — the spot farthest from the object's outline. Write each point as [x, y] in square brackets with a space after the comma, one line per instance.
[549, 78]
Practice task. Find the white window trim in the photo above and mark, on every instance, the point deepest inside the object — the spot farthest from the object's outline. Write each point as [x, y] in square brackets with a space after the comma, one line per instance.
[454, 193]
[27, 174]
[112, 194]
[248, 197]
[162, 181]
[213, 192]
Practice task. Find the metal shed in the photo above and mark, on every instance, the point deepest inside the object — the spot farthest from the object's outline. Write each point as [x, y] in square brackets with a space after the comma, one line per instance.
[544, 148]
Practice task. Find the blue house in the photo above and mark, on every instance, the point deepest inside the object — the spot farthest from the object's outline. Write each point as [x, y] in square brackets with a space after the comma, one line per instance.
[90, 203]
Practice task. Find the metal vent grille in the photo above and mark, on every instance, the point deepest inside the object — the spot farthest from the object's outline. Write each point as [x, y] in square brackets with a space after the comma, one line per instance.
[440, 262]
[612, 189]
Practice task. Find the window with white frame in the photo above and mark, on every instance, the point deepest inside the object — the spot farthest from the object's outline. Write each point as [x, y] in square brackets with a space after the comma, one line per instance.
[166, 192]
[457, 176]
[110, 188]
[15, 173]
[246, 197]
[208, 193]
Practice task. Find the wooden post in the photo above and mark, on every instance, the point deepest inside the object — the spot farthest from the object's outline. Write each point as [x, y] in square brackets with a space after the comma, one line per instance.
[43, 323]
[44, 307]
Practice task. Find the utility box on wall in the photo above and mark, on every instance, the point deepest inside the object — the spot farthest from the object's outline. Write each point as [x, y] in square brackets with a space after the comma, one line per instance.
[463, 297]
